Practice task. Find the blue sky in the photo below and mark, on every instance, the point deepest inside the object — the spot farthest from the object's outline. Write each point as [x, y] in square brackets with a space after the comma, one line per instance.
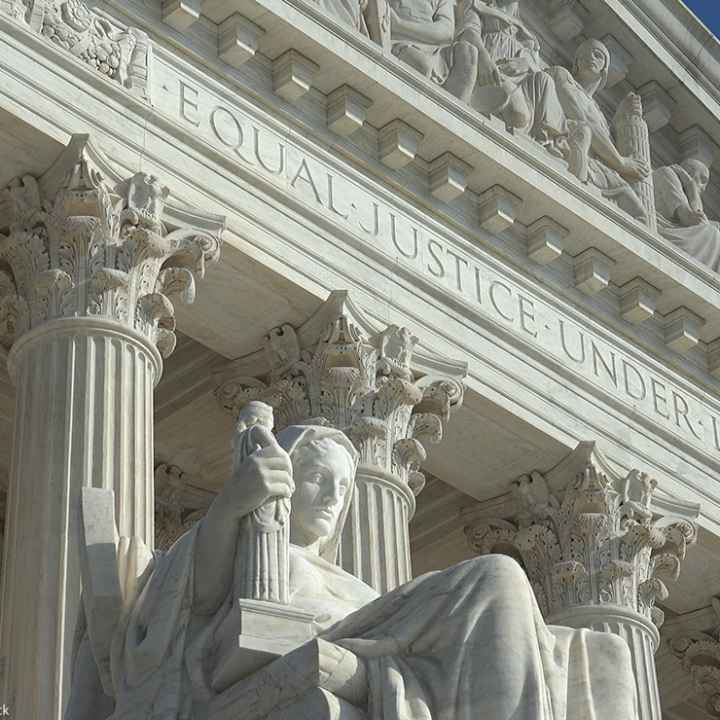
[708, 11]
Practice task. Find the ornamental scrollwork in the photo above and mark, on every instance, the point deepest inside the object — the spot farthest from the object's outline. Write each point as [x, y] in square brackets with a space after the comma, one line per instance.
[122, 55]
[364, 385]
[73, 244]
[593, 540]
[699, 653]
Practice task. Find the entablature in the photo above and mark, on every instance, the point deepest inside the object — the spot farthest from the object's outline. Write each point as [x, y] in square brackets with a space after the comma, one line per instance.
[456, 164]
[334, 247]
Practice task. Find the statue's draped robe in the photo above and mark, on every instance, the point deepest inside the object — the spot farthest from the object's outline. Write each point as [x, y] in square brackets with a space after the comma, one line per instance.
[467, 643]
[579, 106]
[674, 188]
[508, 39]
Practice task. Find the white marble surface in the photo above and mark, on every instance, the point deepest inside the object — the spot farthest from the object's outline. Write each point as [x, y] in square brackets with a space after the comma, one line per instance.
[478, 620]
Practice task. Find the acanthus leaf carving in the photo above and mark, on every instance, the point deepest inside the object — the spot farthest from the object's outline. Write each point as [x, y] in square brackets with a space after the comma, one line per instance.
[359, 380]
[588, 536]
[179, 503]
[122, 55]
[699, 653]
[80, 245]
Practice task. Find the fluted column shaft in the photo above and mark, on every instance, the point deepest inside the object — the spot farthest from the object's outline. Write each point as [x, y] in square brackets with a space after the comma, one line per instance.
[376, 541]
[84, 418]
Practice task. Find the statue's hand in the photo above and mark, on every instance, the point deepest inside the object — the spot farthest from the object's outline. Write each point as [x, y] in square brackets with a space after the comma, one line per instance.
[265, 474]
[513, 66]
[690, 218]
[634, 169]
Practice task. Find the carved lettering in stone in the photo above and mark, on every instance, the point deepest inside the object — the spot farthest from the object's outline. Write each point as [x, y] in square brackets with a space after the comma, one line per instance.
[445, 262]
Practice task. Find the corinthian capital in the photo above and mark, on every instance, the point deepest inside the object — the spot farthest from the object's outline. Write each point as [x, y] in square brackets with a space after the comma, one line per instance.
[179, 503]
[587, 535]
[699, 653]
[370, 382]
[81, 242]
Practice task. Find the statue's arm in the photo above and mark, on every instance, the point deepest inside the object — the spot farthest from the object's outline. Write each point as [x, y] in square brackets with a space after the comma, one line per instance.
[265, 474]
[575, 106]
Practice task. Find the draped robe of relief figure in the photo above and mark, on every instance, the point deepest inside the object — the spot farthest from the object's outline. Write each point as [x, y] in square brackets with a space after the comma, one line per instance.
[609, 170]
[680, 211]
[463, 643]
[496, 68]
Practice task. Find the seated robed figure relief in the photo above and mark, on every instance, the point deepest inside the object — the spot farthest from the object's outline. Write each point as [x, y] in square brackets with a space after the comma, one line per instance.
[457, 644]
[681, 215]
[483, 52]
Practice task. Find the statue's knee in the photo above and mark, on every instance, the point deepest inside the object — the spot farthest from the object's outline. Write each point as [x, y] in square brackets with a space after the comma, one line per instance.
[505, 571]
[466, 55]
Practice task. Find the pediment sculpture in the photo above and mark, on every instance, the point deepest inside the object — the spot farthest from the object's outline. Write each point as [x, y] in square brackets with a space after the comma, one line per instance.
[681, 215]
[247, 615]
[482, 52]
[122, 55]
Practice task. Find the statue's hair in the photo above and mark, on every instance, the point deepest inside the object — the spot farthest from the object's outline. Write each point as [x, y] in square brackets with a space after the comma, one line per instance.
[299, 455]
[594, 42]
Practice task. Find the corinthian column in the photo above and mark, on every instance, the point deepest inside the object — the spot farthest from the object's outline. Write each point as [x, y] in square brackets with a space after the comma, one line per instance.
[390, 401]
[594, 550]
[87, 264]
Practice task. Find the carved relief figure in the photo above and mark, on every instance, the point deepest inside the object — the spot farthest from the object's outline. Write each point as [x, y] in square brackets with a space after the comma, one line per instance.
[458, 644]
[421, 33]
[607, 168]
[681, 216]
[122, 55]
[497, 69]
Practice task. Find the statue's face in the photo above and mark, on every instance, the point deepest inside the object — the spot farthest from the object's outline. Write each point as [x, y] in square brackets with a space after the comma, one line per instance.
[323, 477]
[590, 59]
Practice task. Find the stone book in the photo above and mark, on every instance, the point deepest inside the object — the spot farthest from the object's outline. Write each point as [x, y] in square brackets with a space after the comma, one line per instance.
[315, 677]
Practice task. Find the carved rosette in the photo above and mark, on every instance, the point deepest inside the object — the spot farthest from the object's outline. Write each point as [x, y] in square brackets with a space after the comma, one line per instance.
[74, 244]
[123, 55]
[362, 385]
[591, 541]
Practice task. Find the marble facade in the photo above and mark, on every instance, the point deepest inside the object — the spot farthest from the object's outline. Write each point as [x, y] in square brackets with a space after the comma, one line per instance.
[346, 341]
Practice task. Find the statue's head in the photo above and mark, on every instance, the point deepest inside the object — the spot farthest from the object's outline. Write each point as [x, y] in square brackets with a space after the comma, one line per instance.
[592, 62]
[698, 171]
[324, 463]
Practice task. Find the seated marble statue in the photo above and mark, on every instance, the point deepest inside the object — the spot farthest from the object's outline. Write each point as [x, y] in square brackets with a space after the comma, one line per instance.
[497, 69]
[608, 169]
[463, 643]
[680, 212]
[421, 32]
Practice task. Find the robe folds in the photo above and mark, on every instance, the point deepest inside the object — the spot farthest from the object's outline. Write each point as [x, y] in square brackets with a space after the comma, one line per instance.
[674, 189]
[466, 643]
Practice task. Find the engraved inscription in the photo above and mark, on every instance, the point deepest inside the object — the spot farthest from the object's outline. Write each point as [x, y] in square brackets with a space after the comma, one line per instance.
[495, 297]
